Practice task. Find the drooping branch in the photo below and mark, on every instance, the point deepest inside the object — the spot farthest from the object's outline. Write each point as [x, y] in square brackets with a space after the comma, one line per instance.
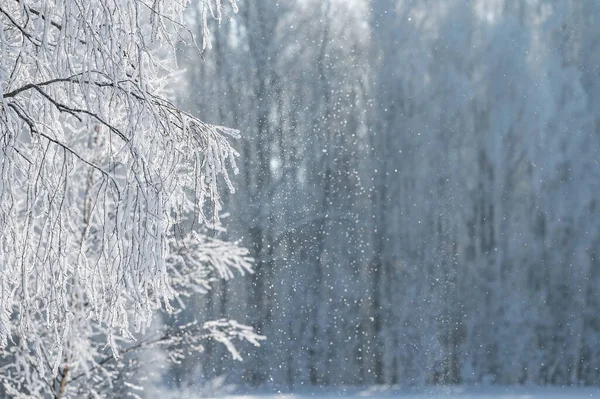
[33, 129]
[83, 95]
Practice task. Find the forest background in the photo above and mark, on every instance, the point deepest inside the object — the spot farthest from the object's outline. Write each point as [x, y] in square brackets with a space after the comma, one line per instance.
[418, 187]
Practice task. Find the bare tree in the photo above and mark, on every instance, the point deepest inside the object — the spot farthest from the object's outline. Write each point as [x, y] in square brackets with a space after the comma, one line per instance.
[99, 172]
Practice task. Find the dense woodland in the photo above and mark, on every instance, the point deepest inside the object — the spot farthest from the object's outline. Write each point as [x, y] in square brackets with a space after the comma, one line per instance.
[419, 187]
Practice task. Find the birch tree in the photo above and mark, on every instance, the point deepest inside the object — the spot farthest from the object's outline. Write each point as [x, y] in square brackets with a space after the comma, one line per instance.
[100, 173]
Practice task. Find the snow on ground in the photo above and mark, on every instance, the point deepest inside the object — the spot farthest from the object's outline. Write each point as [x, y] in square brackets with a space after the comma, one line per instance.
[557, 393]
[425, 393]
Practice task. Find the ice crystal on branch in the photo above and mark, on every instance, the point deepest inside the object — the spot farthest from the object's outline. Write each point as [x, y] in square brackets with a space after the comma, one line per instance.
[98, 166]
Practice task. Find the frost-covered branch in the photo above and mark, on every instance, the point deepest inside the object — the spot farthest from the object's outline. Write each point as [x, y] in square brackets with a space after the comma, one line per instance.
[98, 166]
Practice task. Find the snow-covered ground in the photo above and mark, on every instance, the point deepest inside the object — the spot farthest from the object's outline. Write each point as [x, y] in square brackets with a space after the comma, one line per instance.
[426, 393]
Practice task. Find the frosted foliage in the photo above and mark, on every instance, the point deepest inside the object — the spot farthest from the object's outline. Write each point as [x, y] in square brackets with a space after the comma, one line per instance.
[198, 261]
[97, 166]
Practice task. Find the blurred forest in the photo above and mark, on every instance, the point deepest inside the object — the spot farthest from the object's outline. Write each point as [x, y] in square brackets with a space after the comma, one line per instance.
[419, 186]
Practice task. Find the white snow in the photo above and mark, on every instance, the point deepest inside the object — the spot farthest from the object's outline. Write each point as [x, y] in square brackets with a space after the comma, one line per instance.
[425, 393]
